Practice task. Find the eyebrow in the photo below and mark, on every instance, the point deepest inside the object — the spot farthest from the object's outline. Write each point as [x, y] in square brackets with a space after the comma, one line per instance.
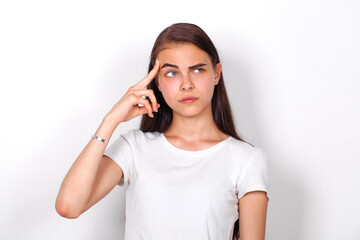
[190, 67]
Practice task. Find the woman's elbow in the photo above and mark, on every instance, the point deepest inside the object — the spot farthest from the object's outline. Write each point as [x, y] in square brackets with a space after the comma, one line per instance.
[64, 210]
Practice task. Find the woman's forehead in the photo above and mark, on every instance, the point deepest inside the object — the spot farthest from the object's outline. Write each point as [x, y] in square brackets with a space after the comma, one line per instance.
[182, 51]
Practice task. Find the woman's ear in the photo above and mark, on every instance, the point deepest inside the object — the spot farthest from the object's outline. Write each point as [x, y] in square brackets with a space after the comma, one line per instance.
[218, 70]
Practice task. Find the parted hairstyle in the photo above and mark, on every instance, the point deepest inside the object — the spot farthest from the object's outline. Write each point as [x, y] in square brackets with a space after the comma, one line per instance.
[221, 110]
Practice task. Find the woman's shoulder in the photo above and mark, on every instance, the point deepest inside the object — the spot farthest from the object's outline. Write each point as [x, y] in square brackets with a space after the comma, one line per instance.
[138, 135]
[242, 147]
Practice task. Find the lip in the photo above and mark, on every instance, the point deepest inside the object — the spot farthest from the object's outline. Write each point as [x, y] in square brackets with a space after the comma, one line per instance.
[189, 99]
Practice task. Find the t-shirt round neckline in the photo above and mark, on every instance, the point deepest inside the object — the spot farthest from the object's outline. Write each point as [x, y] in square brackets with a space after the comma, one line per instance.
[192, 153]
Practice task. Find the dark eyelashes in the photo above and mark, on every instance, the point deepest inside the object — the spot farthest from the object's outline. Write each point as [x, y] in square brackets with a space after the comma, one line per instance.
[174, 72]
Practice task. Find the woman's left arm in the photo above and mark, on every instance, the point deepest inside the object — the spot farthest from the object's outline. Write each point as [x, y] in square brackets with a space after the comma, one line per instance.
[252, 215]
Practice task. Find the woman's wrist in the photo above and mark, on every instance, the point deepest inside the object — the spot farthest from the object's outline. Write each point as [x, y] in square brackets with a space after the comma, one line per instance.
[109, 120]
[106, 129]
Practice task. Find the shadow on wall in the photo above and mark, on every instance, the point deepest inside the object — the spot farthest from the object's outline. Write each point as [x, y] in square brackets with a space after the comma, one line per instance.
[287, 206]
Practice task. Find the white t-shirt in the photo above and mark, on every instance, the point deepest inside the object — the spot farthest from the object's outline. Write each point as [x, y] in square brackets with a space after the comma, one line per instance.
[176, 194]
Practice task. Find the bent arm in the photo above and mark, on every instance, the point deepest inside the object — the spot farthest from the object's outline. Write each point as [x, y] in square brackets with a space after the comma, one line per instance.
[252, 215]
[91, 176]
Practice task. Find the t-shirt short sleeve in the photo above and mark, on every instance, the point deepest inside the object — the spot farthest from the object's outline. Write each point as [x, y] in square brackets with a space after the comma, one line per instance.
[256, 175]
[120, 152]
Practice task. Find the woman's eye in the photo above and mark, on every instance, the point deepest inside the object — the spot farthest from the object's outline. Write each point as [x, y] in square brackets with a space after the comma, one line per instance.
[170, 74]
[198, 70]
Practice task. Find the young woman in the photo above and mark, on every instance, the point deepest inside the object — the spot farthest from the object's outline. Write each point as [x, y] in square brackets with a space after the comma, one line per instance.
[187, 173]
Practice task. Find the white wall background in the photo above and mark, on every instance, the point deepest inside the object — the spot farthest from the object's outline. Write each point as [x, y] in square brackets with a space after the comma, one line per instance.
[292, 70]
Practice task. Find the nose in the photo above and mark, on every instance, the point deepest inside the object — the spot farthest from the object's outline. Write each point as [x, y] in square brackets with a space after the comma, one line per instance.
[187, 84]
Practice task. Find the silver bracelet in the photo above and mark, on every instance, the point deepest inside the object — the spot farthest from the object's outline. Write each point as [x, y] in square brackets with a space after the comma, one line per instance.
[98, 138]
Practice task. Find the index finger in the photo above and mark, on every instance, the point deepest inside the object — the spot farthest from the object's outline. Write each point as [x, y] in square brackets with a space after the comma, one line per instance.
[143, 83]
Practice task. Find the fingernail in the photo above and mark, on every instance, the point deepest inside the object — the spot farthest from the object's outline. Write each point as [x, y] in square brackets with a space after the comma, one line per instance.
[157, 61]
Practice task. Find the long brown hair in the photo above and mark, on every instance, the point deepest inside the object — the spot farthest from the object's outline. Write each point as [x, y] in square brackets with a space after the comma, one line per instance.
[221, 110]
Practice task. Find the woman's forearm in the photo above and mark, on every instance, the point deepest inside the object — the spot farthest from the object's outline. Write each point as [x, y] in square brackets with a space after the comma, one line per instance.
[78, 183]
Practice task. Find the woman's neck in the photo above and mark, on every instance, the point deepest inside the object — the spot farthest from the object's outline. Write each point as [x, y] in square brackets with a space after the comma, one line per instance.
[194, 128]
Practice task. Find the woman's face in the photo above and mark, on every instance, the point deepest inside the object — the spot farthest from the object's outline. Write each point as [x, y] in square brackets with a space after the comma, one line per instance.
[187, 71]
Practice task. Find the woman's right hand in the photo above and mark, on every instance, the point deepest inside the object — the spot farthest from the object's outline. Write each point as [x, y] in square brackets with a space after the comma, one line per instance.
[127, 107]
